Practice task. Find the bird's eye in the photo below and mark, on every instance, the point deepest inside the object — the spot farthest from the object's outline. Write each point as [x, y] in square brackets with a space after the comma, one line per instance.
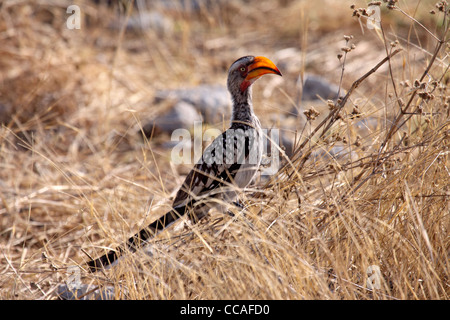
[242, 69]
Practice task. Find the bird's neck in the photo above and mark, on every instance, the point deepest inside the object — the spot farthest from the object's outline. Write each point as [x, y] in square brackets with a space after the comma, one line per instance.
[242, 113]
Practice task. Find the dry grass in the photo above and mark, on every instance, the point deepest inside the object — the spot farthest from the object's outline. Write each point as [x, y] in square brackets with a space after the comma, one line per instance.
[75, 175]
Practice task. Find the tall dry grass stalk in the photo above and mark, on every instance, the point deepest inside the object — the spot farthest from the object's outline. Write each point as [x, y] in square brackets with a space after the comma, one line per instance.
[367, 187]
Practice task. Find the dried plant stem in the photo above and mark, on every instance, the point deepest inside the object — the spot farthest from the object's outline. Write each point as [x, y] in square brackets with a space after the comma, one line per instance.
[332, 116]
[394, 127]
[418, 22]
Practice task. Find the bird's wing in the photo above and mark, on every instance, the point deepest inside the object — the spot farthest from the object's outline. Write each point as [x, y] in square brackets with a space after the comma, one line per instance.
[217, 168]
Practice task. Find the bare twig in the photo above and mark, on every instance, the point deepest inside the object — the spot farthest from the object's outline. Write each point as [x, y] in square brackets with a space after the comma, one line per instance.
[332, 116]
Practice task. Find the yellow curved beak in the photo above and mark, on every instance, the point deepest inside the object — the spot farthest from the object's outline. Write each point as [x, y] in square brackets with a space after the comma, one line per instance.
[261, 66]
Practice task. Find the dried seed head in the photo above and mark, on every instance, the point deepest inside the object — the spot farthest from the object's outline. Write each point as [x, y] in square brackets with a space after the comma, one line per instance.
[405, 83]
[331, 105]
[441, 5]
[348, 38]
[346, 49]
[420, 109]
[361, 12]
[420, 85]
[391, 4]
[406, 140]
[336, 136]
[425, 95]
[356, 14]
[334, 167]
[394, 43]
[311, 113]
[355, 112]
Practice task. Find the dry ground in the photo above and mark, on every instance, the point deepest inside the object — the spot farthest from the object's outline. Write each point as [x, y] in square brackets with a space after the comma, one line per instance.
[76, 177]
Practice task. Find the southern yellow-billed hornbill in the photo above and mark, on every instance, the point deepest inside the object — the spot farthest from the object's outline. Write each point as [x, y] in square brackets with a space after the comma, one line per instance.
[227, 165]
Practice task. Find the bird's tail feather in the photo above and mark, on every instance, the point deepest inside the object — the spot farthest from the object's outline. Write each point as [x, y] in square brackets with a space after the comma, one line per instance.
[137, 240]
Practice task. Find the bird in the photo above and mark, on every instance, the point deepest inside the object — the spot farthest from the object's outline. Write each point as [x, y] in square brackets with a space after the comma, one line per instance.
[226, 166]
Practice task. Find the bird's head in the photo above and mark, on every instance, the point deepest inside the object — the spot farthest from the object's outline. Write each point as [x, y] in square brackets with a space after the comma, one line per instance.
[246, 70]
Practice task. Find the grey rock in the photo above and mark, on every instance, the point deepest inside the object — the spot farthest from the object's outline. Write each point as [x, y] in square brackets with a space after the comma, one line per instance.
[212, 101]
[85, 292]
[6, 112]
[315, 87]
[181, 116]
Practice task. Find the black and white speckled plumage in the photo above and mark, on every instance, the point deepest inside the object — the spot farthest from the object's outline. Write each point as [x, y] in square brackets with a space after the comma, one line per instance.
[227, 165]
